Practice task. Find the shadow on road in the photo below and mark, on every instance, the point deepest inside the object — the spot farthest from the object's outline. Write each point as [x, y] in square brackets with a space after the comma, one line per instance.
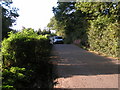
[71, 60]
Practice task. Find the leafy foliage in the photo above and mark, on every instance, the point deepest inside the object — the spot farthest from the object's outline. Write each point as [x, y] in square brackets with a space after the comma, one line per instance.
[12, 76]
[103, 27]
[104, 38]
[95, 24]
[9, 16]
[25, 54]
[70, 22]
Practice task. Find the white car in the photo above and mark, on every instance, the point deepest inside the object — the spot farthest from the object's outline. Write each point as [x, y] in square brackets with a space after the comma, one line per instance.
[57, 39]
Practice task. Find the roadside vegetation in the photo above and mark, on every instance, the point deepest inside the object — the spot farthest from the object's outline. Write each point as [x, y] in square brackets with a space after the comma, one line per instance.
[26, 61]
[24, 55]
[91, 25]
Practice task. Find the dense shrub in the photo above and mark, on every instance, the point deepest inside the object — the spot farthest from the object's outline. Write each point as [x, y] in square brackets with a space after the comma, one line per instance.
[14, 77]
[22, 47]
[103, 36]
[26, 58]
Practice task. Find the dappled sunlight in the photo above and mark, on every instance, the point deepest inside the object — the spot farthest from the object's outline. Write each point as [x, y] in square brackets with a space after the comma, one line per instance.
[73, 60]
[77, 68]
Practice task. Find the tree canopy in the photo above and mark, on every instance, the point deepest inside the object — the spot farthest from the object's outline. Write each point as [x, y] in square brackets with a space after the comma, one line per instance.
[9, 16]
[96, 24]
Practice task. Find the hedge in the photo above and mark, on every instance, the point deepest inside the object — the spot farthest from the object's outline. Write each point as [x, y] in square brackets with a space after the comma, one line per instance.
[26, 60]
[104, 37]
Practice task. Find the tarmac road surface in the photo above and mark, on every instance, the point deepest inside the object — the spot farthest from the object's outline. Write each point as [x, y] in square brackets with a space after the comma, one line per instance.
[78, 68]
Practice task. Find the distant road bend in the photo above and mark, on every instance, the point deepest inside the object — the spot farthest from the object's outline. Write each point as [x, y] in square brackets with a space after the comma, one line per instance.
[78, 68]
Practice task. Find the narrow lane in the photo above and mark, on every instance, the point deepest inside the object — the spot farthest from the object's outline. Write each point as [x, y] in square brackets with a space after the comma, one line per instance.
[78, 68]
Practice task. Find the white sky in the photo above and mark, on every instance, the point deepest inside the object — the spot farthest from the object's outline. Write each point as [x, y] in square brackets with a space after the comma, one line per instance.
[34, 13]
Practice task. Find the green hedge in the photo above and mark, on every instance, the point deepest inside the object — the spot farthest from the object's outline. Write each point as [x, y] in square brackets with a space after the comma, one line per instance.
[103, 36]
[26, 60]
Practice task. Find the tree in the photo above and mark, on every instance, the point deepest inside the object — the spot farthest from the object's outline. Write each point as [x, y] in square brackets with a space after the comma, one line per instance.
[96, 24]
[103, 30]
[95, 9]
[52, 25]
[70, 21]
[45, 31]
[9, 16]
[39, 31]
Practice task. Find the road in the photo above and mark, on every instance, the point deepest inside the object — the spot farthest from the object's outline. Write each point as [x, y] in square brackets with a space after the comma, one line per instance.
[78, 68]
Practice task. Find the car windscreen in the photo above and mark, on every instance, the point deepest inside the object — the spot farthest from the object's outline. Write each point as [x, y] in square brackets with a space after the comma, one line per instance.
[58, 37]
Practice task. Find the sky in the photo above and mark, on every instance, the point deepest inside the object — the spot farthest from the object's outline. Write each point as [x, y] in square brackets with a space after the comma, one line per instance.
[33, 13]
